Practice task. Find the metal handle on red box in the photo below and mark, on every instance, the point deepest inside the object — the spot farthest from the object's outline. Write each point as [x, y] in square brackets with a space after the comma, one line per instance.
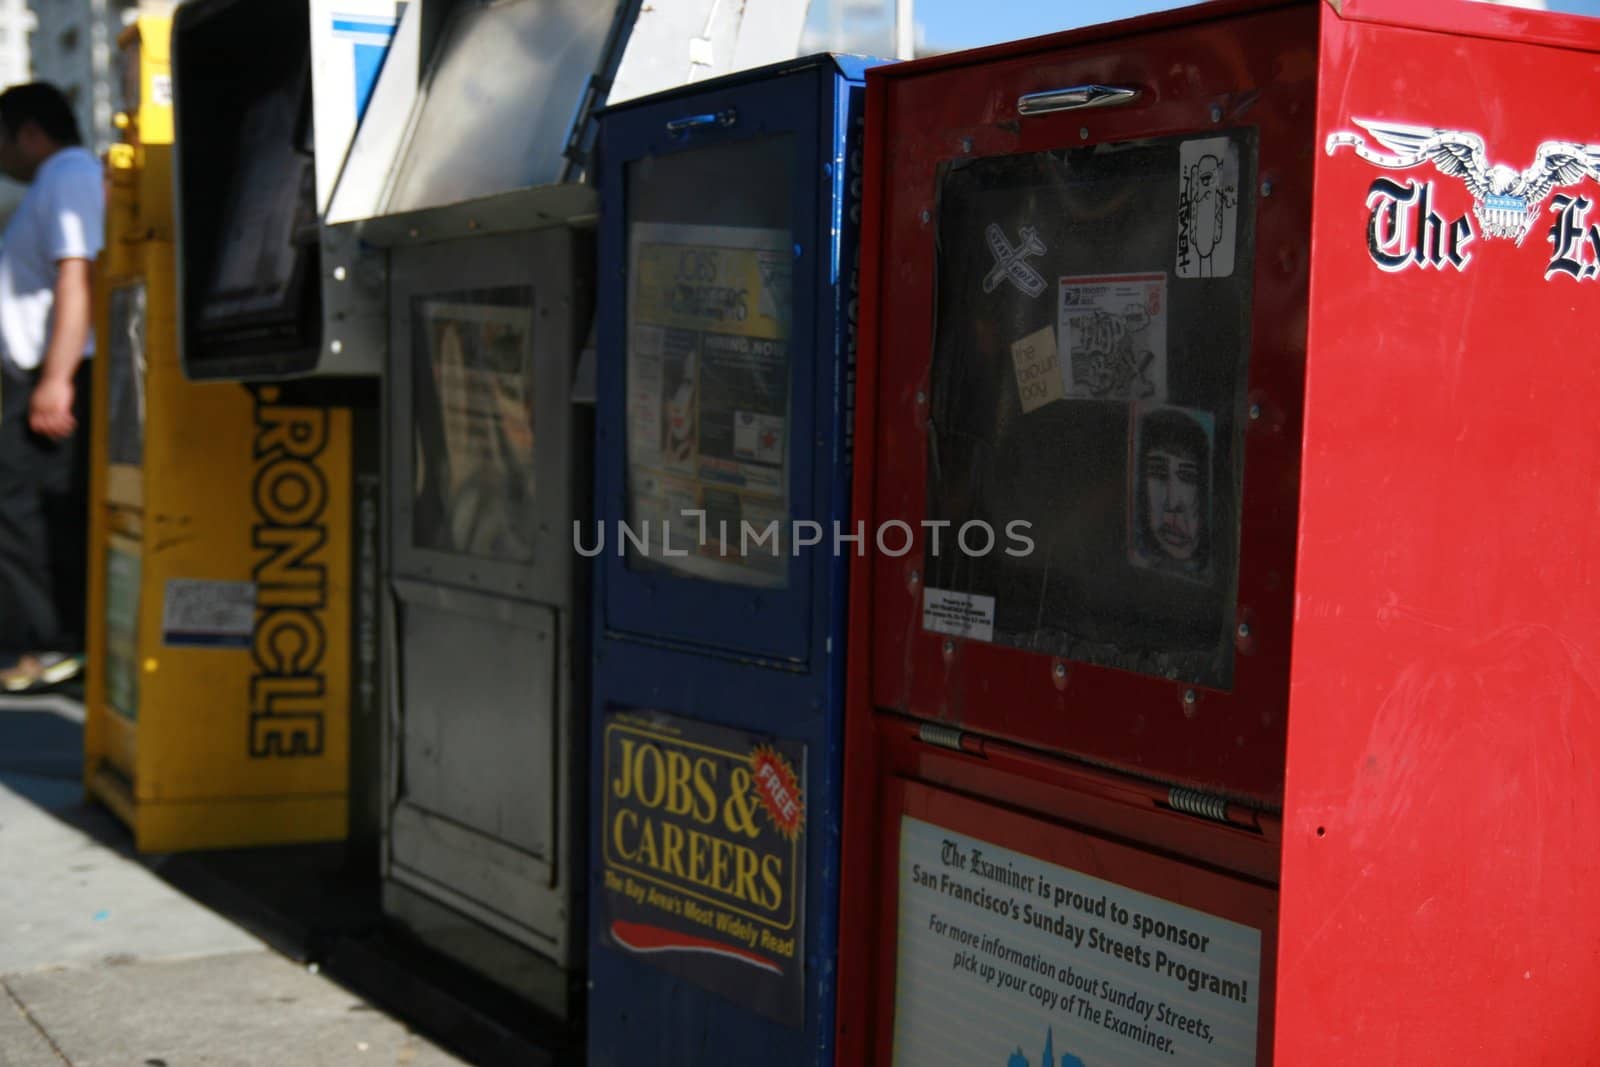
[1076, 97]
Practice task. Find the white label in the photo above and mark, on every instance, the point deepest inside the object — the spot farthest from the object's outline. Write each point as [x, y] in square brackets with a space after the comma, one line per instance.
[199, 612]
[1208, 208]
[1039, 378]
[161, 90]
[1006, 960]
[1114, 336]
[958, 614]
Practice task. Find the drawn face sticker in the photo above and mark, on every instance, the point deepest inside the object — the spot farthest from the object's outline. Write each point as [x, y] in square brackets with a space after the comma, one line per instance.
[1172, 495]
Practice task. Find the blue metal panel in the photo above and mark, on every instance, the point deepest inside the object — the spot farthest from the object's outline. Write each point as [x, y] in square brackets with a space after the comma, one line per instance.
[769, 664]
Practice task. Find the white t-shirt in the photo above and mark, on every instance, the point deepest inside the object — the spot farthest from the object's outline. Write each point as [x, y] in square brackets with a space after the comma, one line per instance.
[62, 216]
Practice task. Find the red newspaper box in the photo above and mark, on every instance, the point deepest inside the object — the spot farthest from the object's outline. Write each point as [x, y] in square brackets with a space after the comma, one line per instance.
[1235, 700]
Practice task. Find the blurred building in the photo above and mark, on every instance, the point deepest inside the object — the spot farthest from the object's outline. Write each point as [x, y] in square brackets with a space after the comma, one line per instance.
[863, 27]
[74, 45]
[16, 22]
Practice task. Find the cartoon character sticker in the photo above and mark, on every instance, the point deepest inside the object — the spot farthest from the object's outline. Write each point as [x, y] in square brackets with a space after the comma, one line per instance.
[1208, 208]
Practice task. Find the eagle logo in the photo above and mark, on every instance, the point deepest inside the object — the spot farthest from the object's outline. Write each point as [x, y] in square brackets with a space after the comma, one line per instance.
[1507, 199]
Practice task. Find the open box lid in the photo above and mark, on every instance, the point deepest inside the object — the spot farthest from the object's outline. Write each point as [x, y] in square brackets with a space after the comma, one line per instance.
[477, 99]
[487, 98]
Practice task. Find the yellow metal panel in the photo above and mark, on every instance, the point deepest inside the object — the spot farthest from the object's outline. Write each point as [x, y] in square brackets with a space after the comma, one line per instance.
[153, 125]
[155, 80]
[238, 823]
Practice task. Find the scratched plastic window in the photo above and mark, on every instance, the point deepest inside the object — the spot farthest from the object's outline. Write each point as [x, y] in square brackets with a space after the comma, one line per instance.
[710, 264]
[1089, 376]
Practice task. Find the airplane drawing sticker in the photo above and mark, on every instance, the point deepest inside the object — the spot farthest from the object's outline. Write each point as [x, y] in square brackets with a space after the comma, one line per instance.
[1010, 262]
[1507, 200]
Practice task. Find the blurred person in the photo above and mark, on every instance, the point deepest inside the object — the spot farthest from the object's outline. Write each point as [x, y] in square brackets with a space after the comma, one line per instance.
[46, 262]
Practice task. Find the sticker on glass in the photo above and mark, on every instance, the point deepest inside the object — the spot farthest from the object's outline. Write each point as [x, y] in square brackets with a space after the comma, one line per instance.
[1011, 261]
[1038, 367]
[203, 613]
[703, 863]
[958, 614]
[1004, 959]
[1208, 208]
[1113, 337]
[1170, 515]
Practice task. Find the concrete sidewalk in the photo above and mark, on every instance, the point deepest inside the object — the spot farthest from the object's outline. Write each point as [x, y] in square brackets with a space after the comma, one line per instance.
[103, 963]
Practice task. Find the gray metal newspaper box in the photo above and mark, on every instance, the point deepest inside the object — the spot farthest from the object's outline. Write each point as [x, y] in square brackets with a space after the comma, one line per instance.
[460, 235]
[489, 466]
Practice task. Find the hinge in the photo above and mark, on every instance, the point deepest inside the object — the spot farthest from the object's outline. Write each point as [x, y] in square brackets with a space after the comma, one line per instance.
[1201, 805]
[951, 737]
[943, 736]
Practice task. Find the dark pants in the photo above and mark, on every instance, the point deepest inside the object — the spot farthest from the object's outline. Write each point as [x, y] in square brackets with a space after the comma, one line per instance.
[44, 510]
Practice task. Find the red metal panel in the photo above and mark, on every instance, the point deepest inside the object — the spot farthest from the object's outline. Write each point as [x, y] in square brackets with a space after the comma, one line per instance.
[1256, 69]
[1441, 888]
[1476, 18]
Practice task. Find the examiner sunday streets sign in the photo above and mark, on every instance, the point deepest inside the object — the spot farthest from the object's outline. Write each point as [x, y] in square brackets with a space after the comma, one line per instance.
[1000, 952]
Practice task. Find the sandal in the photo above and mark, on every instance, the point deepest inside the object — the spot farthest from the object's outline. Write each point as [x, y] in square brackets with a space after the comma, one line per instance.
[38, 671]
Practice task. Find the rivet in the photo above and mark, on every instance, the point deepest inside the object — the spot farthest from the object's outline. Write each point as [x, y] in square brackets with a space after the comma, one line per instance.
[922, 398]
[1083, 133]
[915, 577]
[1244, 629]
[949, 647]
[414, 232]
[1255, 411]
[339, 274]
[926, 215]
[966, 144]
[336, 346]
[1266, 188]
[1216, 113]
[1060, 670]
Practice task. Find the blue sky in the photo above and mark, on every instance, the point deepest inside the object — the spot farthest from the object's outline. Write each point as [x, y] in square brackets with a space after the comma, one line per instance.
[948, 25]
[951, 24]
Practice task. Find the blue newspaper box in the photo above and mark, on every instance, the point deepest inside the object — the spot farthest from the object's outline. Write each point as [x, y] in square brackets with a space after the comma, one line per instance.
[729, 213]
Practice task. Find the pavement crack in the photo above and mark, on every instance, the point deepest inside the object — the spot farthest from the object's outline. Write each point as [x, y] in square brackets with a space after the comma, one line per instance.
[28, 1015]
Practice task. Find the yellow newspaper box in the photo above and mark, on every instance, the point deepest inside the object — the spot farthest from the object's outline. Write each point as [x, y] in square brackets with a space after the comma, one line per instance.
[221, 546]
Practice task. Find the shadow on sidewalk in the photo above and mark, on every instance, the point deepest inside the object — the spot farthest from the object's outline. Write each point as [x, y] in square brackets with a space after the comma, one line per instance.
[316, 904]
